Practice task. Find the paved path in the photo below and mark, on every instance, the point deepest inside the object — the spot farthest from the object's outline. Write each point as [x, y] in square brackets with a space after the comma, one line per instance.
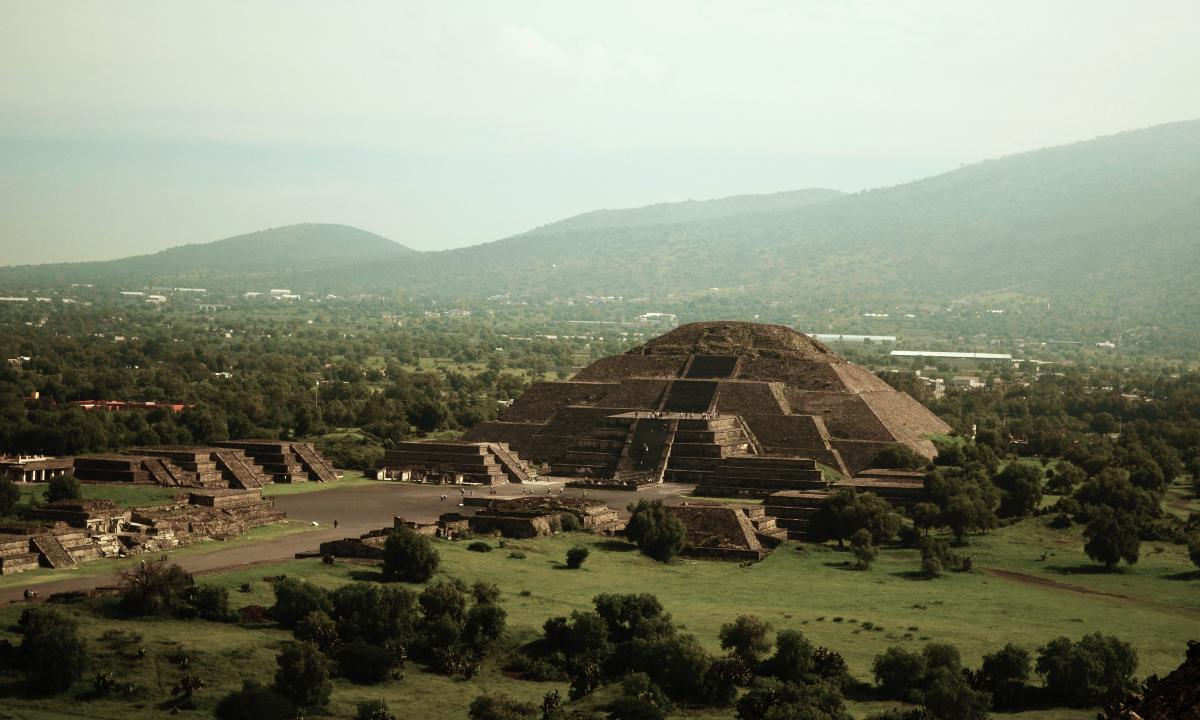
[357, 510]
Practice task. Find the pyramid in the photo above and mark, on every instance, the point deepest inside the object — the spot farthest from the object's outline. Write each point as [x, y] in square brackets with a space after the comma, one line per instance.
[693, 404]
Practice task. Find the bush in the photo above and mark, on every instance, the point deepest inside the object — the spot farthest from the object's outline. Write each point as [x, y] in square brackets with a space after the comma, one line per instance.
[479, 546]
[570, 523]
[747, 637]
[864, 550]
[365, 664]
[517, 555]
[303, 674]
[772, 699]
[1194, 549]
[381, 614]
[948, 696]
[793, 660]
[498, 706]
[255, 702]
[319, 629]
[936, 556]
[373, 710]
[576, 556]
[1004, 674]
[63, 487]
[640, 699]
[295, 599]
[157, 589]
[898, 672]
[53, 655]
[409, 557]
[484, 625]
[655, 531]
[211, 602]
[1096, 670]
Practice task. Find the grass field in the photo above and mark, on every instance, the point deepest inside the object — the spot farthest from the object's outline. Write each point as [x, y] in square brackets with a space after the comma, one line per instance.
[125, 495]
[352, 478]
[1154, 605]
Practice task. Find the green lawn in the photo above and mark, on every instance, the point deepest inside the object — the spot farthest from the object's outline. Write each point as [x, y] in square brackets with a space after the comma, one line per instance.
[351, 478]
[809, 590]
[126, 495]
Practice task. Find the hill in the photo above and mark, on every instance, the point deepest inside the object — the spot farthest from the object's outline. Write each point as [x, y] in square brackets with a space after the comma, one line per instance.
[671, 213]
[266, 253]
[1116, 216]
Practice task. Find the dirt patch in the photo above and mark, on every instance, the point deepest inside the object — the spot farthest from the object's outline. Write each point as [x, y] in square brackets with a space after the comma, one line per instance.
[1037, 581]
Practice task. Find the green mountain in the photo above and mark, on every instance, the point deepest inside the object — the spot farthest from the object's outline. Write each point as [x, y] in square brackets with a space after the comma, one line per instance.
[263, 254]
[1115, 220]
[672, 213]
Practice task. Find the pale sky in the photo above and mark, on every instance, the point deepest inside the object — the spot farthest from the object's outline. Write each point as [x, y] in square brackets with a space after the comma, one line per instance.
[128, 127]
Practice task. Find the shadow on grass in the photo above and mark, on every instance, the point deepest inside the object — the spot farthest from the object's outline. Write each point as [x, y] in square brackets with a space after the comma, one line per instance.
[914, 575]
[842, 565]
[1190, 575]
[616, 546]
[1086, 569]
[367, 575]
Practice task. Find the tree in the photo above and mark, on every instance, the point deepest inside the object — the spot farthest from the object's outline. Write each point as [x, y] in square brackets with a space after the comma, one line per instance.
[899, 457]
[849, 511]
[1096, 670]
[926, 516]
[1194, 549]
[1020, 486]
[640, 699]
[794, 658]
[774, 700]
[380, 614]
[575, 557]
[319, 629]
[255, 702]
[484, 625]
[409, 557]
[1065, 477]
[295, 599]
[1112, 536]
[366, 664]
[156, 588]
[10, 496]
[747, 637]
[303, 674]
[948, 696]
[961, 514]
[1005, 674]
[898, 672]
[864, 552]
[63, 487]
[53, 655]
[936, 556]
[655, 531]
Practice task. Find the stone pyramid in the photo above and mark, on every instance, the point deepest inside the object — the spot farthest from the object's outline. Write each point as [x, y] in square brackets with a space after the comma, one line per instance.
[709, 393]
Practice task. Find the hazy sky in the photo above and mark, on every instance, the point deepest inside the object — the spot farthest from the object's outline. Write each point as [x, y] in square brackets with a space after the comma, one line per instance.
[127, 127]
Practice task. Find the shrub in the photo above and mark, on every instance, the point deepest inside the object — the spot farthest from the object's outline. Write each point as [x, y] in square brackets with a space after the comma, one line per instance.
[294, 599]
[63, 487]
[212, 603]
[640, 699]
[373, 710]
[157, 589]
[319, 629]
[409, 557]
[479, 546]
[517, 555]
[864, 550]
[1194, 549]
[1004, 674]
[498, 706]
[793, 659]
[576, 556]
[936, 556]
[655, 531]
[255, 702]
[948, 696]
[53, 655]
[1097, 669]
[898, 672]
[772, 699]
[747, 637]
[384, 615]
[570, 523]
[365, 664]
[484, 625]
[303, 674]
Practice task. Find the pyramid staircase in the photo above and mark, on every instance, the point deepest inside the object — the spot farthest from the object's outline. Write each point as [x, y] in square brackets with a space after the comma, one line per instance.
[757, 476]
[793, 510]
[765, 528]
[513, 466]
[318, 468]
[53, 552]
[241, 472]
[449, 461]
